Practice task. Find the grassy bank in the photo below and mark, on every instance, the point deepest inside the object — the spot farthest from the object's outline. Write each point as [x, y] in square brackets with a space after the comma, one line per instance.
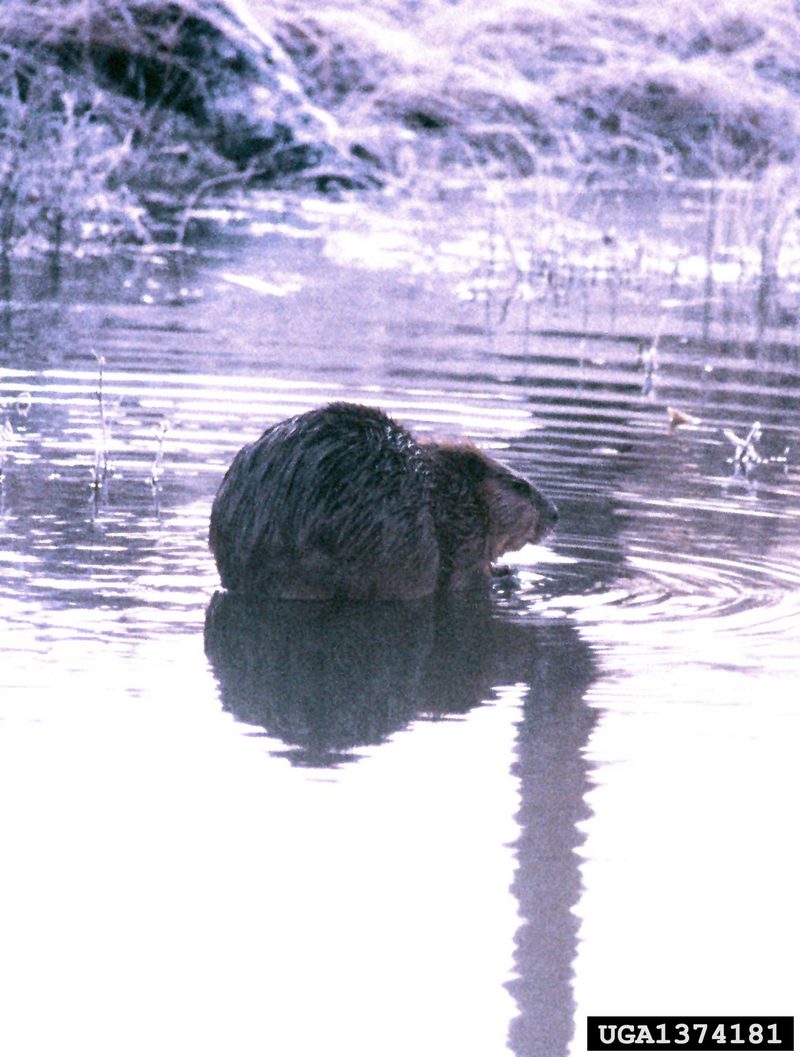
[687, 88]
[119, 117]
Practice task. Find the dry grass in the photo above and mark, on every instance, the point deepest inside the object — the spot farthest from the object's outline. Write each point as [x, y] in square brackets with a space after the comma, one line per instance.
[113, 109]
[693, 89]
[116, 113]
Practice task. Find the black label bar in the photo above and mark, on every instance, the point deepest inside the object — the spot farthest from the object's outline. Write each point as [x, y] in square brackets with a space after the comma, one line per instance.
[690, 1034]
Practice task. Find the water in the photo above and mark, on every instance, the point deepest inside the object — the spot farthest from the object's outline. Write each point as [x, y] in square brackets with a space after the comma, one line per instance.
[458, 827]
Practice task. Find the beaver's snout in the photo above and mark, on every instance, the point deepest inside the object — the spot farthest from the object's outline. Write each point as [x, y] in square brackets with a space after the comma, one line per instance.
[548, 516]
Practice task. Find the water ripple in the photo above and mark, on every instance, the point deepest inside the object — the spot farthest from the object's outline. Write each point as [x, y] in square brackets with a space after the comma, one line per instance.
[738, 611]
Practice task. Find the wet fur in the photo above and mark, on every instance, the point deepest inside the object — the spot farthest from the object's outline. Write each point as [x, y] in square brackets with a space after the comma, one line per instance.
[344, 502]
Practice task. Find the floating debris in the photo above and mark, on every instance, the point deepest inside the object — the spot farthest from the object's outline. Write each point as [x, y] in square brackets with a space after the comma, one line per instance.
[681, 418]
[648, 363]
[101, 469]
[783, 458]
[6, 439]
[157, 470]
[746, 454]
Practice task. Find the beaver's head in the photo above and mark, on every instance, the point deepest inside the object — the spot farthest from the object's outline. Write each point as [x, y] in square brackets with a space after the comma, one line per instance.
[518, 512]
[483, 509]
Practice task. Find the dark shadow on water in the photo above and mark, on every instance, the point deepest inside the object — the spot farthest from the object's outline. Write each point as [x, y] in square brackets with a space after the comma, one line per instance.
[327, 679]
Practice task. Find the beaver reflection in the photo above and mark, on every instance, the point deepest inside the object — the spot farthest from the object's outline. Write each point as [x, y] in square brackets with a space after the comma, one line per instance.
[323, 677]
[326, 678]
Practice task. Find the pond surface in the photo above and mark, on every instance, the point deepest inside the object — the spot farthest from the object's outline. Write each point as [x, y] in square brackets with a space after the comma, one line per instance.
[450, 828]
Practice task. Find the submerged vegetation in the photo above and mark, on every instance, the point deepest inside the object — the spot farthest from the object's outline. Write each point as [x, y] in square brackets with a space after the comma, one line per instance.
[119, 118]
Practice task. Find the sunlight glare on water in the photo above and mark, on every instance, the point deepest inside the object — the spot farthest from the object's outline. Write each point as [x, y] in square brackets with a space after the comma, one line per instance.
[163, 859]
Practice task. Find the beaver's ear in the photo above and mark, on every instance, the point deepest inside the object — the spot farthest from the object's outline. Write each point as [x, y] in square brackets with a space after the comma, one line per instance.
[502, 496]
[467, 462]
[453, 467]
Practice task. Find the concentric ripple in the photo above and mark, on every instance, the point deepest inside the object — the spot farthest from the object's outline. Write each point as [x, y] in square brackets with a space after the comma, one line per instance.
[735, 595]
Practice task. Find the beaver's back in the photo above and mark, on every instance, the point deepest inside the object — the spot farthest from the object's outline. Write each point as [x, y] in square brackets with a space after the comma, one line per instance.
[334, 502]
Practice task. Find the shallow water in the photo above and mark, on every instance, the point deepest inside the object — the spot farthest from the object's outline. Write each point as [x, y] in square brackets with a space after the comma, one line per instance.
[441, 828]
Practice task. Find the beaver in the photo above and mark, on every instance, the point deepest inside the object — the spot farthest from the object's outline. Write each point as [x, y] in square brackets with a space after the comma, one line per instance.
[344, 502]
